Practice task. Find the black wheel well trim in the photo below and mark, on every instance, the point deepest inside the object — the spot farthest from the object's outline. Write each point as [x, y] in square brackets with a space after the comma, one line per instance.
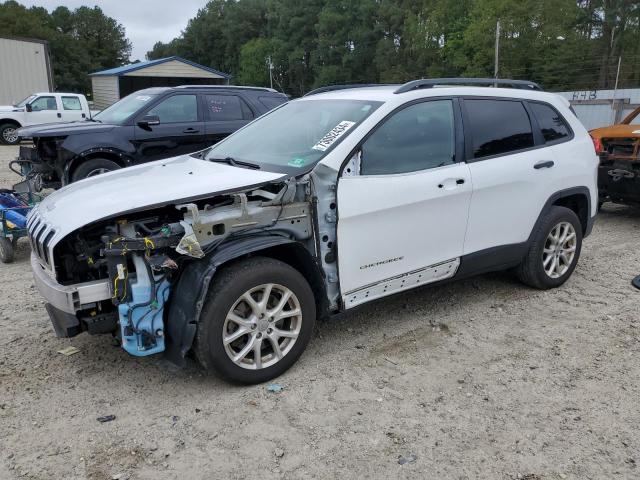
[553, 201]
[107, 153]
[186, 302]
[4, 121]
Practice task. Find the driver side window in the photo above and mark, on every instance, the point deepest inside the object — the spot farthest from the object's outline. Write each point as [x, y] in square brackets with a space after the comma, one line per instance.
[419, 137]
[44, 103]
[177, 109]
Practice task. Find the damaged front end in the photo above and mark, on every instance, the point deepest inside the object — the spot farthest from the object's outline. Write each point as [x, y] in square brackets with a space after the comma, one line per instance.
[142, 276]
[41, 164]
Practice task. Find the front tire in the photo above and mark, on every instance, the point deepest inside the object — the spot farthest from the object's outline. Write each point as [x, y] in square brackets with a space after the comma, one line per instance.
[554, 252]
[8, 134]
[93, 167]
[257, 320]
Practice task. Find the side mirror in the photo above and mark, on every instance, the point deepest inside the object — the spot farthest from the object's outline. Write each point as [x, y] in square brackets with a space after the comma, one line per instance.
[149, 120]
[28, 107]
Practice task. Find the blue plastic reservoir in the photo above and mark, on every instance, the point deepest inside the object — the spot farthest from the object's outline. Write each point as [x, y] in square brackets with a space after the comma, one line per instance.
[146, 337]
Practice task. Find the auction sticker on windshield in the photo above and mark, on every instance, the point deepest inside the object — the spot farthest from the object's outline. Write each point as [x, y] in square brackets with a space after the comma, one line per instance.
[333, 135]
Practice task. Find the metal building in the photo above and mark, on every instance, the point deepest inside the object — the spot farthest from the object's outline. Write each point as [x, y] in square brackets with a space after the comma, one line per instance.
[25, 68]
[111, 85]
[599, 108]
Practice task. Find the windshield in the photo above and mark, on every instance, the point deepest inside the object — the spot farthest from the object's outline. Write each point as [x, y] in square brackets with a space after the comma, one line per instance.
[25, 101]
[123, 109]
[295, 136]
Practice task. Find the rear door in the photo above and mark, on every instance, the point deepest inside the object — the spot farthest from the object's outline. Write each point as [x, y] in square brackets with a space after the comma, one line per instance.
[181, 128]
[72, 108]
[511, 169]
[402, 217]
[44, 109]
[224, 114]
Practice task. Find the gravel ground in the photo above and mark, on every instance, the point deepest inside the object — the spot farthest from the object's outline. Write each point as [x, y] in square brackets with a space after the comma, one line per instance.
[478, 379]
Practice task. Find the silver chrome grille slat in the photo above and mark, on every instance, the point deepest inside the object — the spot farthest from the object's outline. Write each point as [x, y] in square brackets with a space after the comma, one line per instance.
[40, 235]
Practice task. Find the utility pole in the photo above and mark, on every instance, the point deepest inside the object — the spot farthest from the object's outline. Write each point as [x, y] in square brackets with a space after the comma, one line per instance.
[615, 90]
[270, 65]
[497, 54]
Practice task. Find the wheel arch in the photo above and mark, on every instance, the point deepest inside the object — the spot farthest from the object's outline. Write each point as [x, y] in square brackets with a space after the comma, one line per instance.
[189, 293]
[12, 121]
[112, 154]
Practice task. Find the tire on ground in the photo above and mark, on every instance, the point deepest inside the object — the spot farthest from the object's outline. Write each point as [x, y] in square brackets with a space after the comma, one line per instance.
[531, 271]
[6, 250]
[4, 127]
[228, 285]
[91, 167]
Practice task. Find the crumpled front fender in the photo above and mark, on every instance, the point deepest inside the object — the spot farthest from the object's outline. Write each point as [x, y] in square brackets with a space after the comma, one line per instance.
[189, 294]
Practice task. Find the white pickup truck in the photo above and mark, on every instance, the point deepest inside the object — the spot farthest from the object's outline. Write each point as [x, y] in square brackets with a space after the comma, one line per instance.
[41, 108]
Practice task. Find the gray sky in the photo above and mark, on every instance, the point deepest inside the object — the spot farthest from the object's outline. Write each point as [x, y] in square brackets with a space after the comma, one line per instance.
[145, 21]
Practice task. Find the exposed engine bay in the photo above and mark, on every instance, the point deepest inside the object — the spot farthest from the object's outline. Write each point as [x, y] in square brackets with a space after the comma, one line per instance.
[142, 255]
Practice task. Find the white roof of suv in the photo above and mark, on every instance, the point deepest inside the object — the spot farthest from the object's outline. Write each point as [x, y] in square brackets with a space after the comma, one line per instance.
[386, 94]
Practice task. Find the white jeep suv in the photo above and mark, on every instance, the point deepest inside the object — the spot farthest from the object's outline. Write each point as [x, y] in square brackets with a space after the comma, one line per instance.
[344, 196]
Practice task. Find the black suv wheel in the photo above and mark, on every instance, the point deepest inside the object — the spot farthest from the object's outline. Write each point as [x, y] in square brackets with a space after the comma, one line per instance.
[93, 167]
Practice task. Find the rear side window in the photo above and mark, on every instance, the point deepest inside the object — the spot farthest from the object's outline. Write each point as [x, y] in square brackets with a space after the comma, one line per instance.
[272, 102]
[498, 126]
[226, 108]
[551, 123]
[71, 103]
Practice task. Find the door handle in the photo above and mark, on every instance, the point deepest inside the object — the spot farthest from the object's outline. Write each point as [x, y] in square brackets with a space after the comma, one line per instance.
[545, 164]
[448, 183]
[190, 130]
[59, 115]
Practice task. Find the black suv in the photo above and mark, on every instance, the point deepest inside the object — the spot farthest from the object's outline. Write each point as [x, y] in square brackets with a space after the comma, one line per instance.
[147, 125]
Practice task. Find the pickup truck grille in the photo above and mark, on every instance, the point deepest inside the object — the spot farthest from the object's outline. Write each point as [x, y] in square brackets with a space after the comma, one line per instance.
[40, 234]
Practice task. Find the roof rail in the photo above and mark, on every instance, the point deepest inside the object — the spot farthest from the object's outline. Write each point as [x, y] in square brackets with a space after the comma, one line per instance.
[332, 88]
[235, 87]
[491, 82]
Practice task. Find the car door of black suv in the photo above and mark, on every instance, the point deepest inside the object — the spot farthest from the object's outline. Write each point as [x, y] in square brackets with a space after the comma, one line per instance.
[172, 127]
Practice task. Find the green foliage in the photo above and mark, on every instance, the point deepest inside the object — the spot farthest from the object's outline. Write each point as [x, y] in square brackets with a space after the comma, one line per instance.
[80, 41]
[563, 44]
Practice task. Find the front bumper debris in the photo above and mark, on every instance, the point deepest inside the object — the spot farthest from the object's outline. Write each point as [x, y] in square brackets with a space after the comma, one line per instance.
[70, 298]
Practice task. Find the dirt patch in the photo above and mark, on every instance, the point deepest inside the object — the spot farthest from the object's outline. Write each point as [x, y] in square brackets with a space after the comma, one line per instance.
[482, 378]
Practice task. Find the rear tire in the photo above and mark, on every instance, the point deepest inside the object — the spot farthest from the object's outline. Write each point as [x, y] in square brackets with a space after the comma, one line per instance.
[6, 250]
[271, 339]
[8, 134]
[93, 167]
[554, 252]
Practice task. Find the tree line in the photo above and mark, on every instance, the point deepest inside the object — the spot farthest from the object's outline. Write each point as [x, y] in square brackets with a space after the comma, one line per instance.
[81, 41]
[562, 44]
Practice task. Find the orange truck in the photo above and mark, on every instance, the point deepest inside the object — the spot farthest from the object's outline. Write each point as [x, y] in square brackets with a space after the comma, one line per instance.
[619, 149]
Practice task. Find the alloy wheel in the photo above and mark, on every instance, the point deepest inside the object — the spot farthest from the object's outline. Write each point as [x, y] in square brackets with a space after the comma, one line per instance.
[559, 250]
[10, 135]
[262, 326]
[97, 171]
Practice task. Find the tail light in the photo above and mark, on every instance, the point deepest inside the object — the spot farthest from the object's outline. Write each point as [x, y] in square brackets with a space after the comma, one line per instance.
[597, 144]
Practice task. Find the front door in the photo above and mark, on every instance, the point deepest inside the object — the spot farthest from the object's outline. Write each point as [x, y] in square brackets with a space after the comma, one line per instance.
[44, 109]
[403, 214]
[181, 129]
